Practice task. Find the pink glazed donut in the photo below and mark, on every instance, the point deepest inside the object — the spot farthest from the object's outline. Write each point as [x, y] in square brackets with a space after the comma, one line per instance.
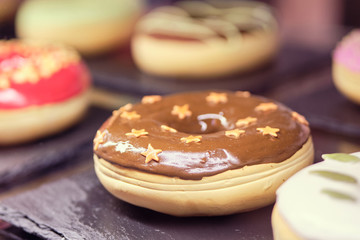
[346, 66]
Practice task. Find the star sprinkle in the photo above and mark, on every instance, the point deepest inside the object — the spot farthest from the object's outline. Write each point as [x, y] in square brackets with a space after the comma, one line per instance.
[116, 113]
[130, 115]
[151, 154]
[191, 138]
[151, 99]
[99, 139]
[299, 118]
[181, 111]
[244, 94]
[244, 122]
[234, 133]
[137, 133]
[269, 131]
[126, 107]
[4, 82]
[216, 98]
[169, 129]
[266, 107]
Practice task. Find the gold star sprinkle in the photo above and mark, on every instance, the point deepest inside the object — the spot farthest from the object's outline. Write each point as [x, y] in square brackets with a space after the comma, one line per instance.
[116, 113]
[300, 118]
[126, 107]
[244, 94]
[130, 115]
[151, 154]
[181, 111]
[99, 138]
[137, 133]
[4, 82]
[167, 128]
[266, 107]
[191, 138]
[150, 99]
[216, 98]
[269, 131]
[244, 122]
[234, 133]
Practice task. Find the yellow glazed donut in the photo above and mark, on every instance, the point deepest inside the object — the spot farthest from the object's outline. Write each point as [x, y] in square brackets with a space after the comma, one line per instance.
[201, 153]
[321, 201]
[205, 39]
[91, 26]
[346, 66]
[43, 90]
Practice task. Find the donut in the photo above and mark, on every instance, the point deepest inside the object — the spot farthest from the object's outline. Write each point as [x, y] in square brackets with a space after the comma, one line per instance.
[321, 201]
[198, 40]
[43, 90]
[201, 153]
[92, 27]
[346, 66]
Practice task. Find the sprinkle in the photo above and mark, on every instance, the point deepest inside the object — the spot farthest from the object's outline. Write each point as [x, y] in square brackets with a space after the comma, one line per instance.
[244, 94]
[216, 98]
[130, 115]
[341, 157]
[181, 111]
[244, 122]
[151, 154]
[191, 138]
[99, 138]
[338, 195]
[37, 62]
[269, 131]
[151, 99]
[299, 118]
[335, 176]
[4, 82]
[266, 107]
[234, 133]
[167, 128]
[137, 133]
[126, 107]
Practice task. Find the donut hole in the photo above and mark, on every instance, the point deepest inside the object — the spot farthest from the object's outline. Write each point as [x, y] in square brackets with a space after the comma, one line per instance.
[203, 124]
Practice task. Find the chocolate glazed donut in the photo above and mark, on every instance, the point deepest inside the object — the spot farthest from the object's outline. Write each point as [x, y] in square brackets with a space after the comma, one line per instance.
[194, 143]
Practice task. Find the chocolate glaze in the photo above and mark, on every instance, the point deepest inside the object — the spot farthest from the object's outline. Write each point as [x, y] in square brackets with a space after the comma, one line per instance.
[216, 153]
[215, 11]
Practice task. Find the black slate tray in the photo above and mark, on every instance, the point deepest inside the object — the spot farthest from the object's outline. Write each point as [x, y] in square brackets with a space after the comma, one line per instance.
[117, 72]
[19, 164]
[78, 207]
[328, 110]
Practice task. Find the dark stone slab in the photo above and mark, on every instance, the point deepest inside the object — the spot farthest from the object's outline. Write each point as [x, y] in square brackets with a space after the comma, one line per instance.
[23, 163]
[80, 208]
[328, 110]
[117, 72]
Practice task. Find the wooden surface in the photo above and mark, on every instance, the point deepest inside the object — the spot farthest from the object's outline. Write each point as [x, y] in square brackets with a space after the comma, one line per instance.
[48, 189]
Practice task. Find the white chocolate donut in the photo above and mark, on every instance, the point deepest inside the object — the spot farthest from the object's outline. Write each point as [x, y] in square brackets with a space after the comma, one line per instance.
[346, 66]
[321, 201]
[205, 39]
[90, 26]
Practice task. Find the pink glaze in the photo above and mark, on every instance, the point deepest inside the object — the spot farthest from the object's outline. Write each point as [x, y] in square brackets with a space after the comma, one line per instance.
[65, 83]
[347, 52]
